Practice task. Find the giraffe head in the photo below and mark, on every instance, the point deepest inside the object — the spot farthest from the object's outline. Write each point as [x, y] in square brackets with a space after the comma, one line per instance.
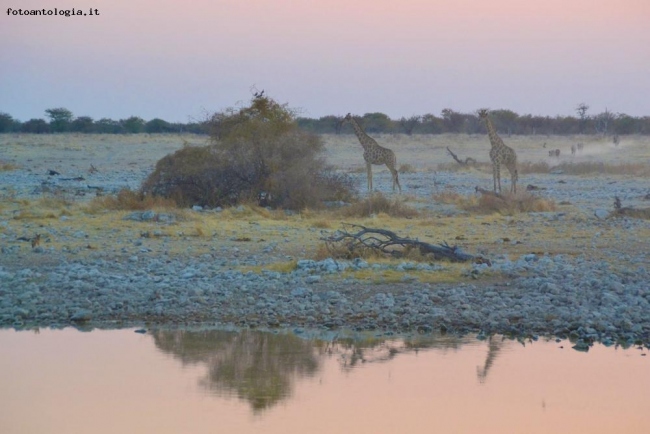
[482, 113]
[343, 121]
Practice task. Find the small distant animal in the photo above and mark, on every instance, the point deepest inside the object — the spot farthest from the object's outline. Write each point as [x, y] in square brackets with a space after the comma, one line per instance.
[554, 153]
[544, 145]
[580, 146]
[259, 94]
[616, 140]
[52, 172]
[36, 240]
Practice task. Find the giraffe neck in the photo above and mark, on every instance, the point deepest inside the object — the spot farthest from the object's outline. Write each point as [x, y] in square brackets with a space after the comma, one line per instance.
[364, 138]
[495, 140]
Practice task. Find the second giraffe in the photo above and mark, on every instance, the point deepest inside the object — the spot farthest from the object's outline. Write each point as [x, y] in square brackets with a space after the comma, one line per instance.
[500, 154]
[373, 153]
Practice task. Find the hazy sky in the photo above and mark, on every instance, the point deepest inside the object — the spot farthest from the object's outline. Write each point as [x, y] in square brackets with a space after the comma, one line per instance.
[176, 60]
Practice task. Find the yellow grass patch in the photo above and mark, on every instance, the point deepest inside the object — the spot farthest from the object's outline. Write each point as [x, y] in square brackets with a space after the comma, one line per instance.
[377, 204]
[6, 167]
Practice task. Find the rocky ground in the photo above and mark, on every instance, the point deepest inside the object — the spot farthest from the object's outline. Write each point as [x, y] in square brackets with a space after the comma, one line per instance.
[573, 272]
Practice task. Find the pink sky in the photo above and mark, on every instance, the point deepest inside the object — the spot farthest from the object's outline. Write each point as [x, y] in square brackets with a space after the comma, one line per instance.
[174, 61]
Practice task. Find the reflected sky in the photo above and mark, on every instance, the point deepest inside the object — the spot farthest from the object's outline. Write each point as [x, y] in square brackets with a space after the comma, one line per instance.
[181, 381]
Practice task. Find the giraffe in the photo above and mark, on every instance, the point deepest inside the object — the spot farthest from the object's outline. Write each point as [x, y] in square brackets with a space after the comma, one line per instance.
[373, 153]
[500, 154]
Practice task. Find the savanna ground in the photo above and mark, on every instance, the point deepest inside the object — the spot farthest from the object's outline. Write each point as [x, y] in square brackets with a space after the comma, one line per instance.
[76, 218]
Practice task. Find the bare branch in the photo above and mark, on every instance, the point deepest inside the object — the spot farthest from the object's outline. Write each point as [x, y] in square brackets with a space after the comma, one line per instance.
[388, 242]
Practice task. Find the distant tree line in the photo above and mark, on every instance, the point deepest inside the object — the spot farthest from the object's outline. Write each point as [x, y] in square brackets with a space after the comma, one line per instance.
[449, 121]
[61, 120]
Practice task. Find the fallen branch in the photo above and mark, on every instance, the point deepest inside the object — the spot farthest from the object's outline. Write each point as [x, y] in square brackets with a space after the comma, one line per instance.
[389, 243]
[468, 160]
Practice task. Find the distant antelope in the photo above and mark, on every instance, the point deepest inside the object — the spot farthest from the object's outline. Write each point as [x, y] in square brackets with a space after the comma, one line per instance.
[36, 240]
[616, 140]
[554, 153]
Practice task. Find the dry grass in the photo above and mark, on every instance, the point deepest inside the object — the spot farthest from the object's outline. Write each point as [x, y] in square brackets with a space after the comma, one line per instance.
[43, 208]
[586, 168]
[6, 167]
[406, 168]
[128, 200]
[507, 205]
[321, 224]
[376, 204]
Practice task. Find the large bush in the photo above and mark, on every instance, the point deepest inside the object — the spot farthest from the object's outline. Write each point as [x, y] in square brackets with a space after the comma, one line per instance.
[257, 153]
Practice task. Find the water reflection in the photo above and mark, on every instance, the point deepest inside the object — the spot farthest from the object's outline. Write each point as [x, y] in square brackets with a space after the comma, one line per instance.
[249, 382]
[262, 367]
[257, 367]
[495, 344]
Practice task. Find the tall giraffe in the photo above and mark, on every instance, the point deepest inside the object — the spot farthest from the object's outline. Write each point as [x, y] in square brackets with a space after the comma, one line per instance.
[500, 154]
[373, 153]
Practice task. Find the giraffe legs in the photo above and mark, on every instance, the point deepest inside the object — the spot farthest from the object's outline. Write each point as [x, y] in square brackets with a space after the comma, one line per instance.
[369, 171]
[496, 176]
[394, 173]
[514, 177]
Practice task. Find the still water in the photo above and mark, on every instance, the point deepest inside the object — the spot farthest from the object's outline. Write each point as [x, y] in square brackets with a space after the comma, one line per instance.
[67, 381]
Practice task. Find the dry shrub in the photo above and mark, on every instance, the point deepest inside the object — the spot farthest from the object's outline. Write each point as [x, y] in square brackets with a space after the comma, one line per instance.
[258, 154]
[6, 167]
[377, 203]
[406, 168]
[128, 200]
[509, 204]
[321, 224]
[448, 197]
[452, 198]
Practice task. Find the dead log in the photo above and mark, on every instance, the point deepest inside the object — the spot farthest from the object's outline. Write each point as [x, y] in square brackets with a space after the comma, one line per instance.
[467, 162]
[389, 243]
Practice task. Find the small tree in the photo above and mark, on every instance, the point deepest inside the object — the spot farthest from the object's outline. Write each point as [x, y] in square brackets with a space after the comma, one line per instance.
[157, 125]
[60, 119]
[257, 153]
[108, 126]
[6, 122]
[377, 123]
[408, 124]
[83, 124]
[604, 121]
[581, 109]
[133, 125]
[453, 121]
[35, 126]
